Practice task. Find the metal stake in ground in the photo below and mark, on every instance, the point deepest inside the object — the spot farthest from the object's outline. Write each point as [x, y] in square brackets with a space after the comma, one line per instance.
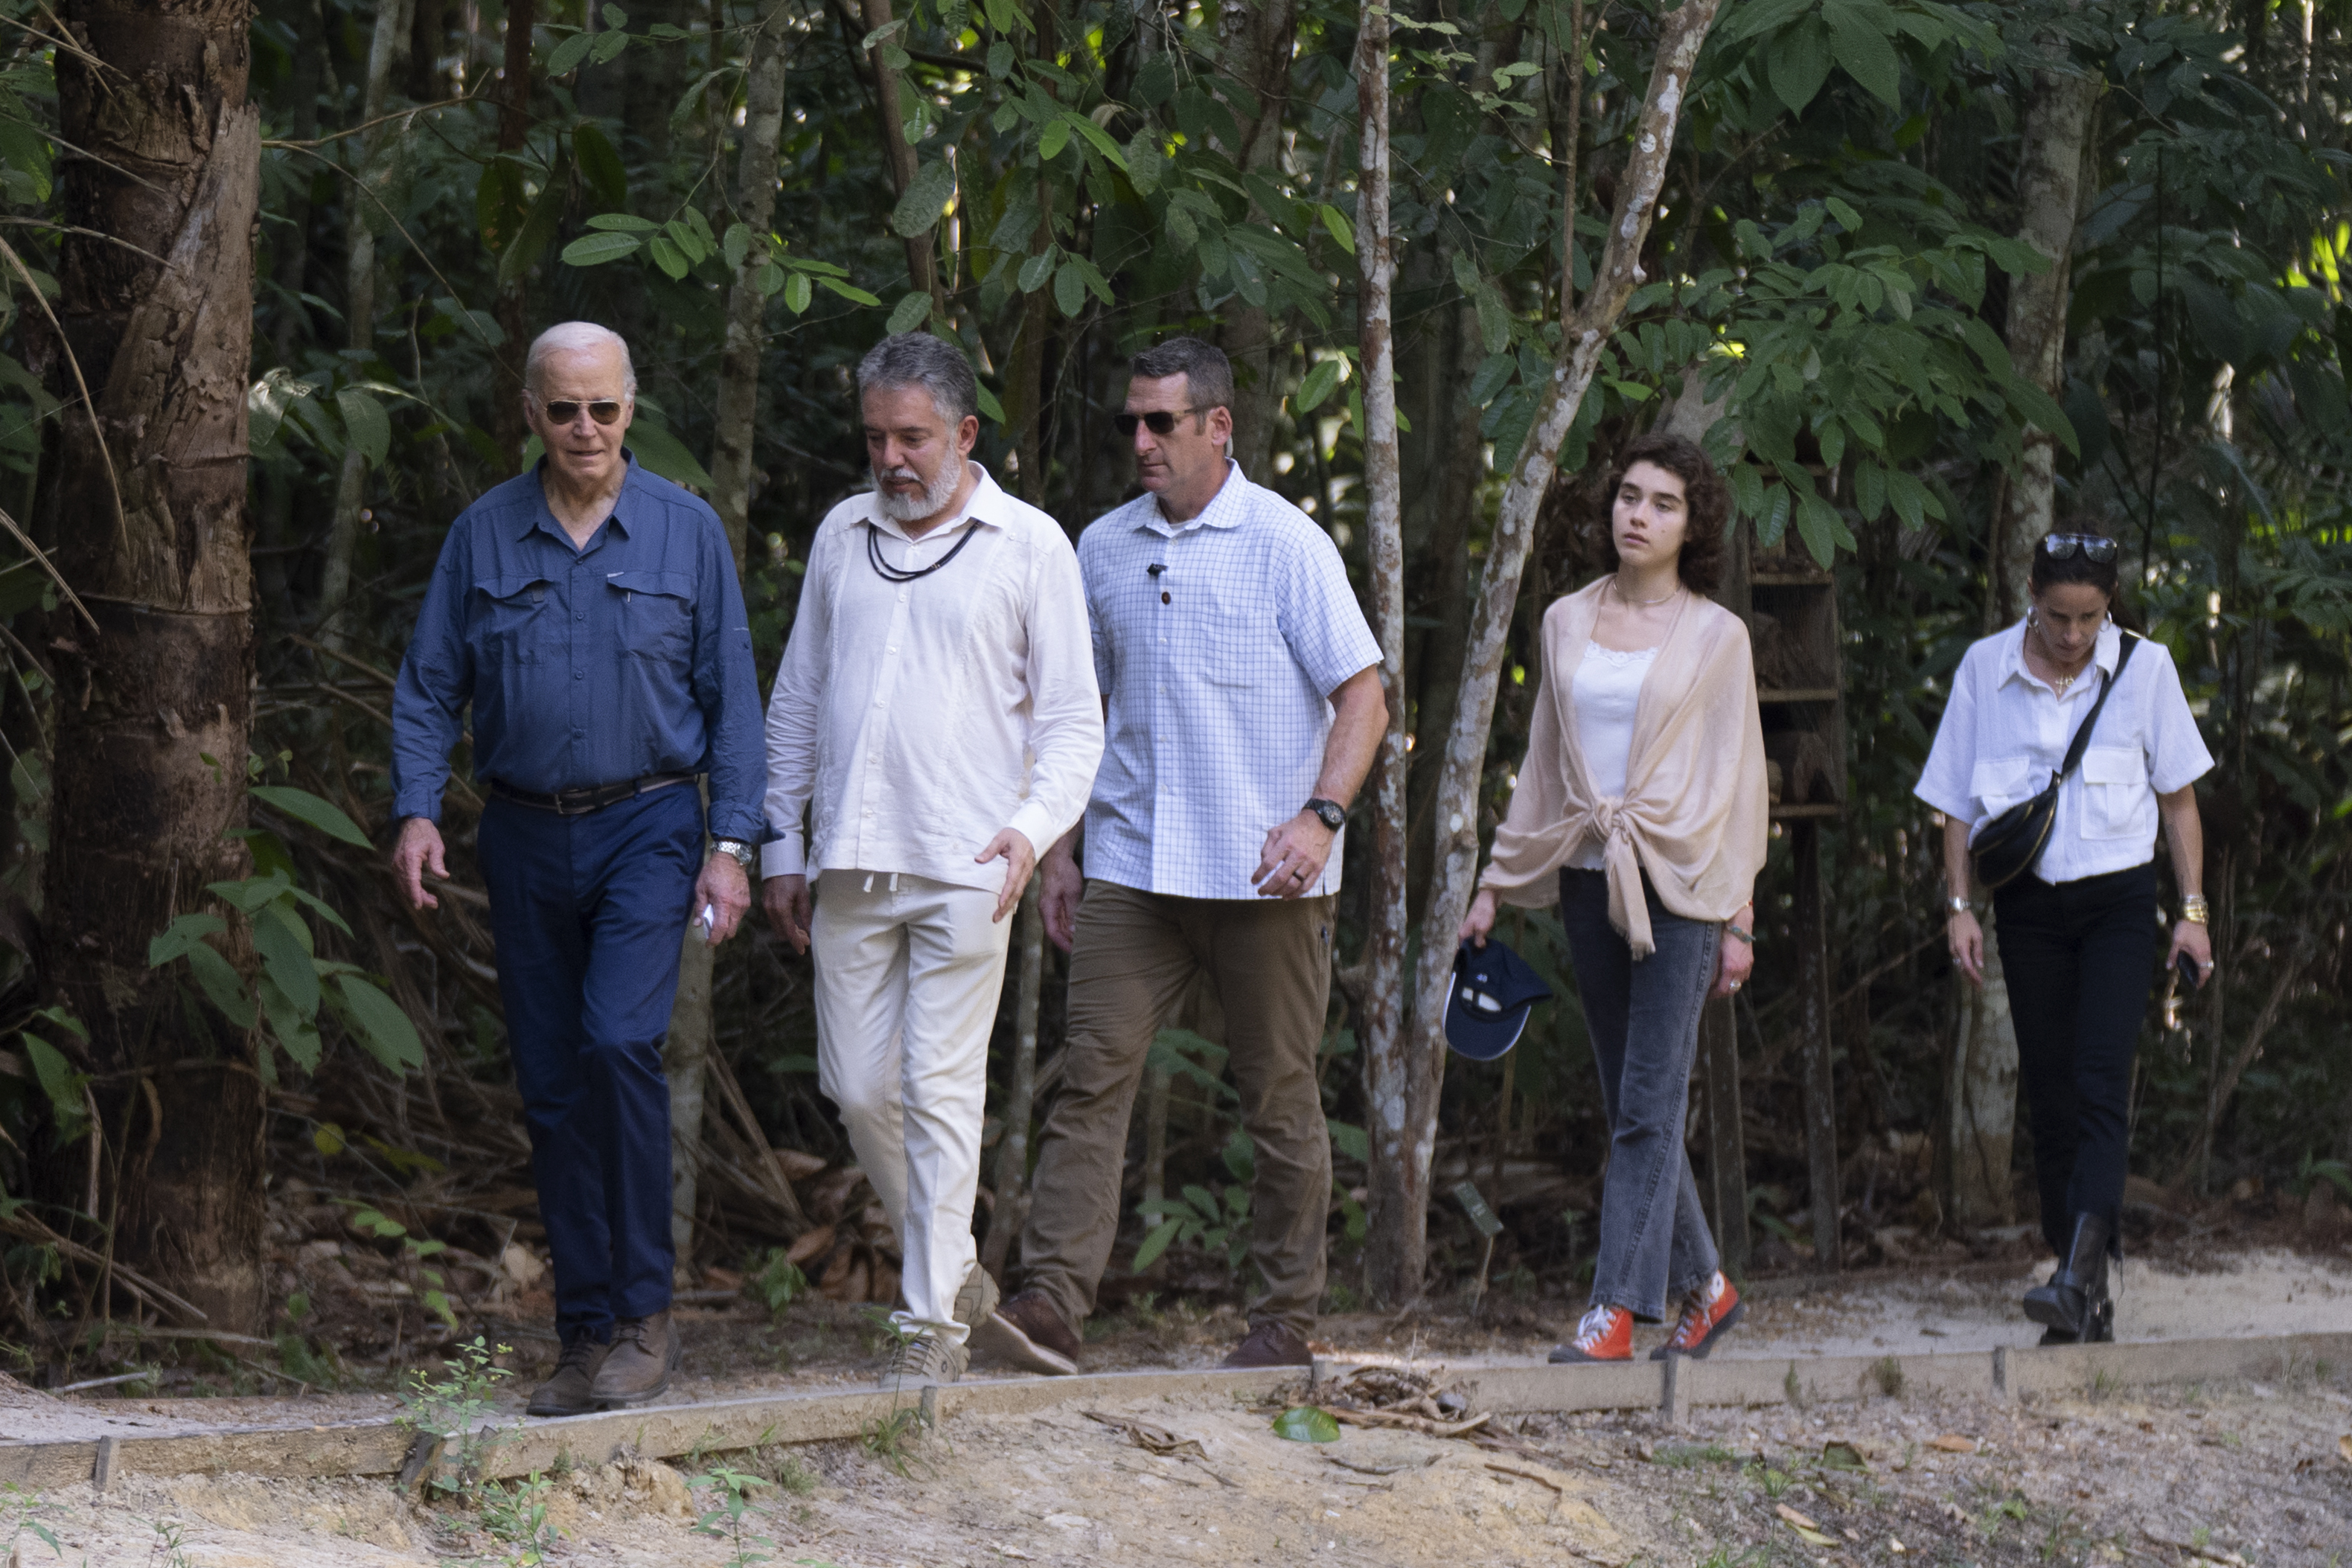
[1467, 1194]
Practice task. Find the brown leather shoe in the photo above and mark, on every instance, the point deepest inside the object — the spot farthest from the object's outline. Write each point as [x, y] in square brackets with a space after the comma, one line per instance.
[1027, 1332]
[1270, 1343]
[646, 1351]
[567, 1393]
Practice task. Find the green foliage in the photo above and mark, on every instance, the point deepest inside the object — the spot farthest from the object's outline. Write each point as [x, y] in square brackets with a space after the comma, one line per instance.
[374, 1222]
[1307, 1424]
[454, 1408]
[775, 1281]
[731, 1490]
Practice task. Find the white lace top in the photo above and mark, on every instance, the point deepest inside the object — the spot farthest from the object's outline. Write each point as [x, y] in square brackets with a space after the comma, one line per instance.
[1607, 685]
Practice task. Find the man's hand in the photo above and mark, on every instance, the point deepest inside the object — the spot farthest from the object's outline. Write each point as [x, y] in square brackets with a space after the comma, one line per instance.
[1292, 858]
[726, 888]
[1020, 857]
[787, 898]
[1064, 885]
[419, 851]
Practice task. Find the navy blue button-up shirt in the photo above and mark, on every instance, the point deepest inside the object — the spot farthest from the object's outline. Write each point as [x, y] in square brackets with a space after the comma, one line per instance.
[584, 667]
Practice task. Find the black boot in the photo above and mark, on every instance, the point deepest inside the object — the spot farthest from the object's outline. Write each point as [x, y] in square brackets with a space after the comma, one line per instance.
[2075, 1302]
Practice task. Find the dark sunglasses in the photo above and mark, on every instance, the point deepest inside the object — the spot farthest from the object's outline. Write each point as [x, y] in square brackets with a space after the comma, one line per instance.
[603, 411]
[1159, 421]
[2094, 547]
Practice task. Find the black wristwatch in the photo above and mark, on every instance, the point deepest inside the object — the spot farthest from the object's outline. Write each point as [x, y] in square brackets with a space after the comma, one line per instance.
[1332, 814]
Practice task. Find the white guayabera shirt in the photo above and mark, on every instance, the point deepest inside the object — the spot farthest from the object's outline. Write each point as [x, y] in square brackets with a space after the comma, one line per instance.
[1218, 669]
[2005, 732]
[917, 719]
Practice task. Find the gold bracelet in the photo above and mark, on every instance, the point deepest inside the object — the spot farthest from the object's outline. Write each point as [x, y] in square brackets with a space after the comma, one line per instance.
[2192, 908]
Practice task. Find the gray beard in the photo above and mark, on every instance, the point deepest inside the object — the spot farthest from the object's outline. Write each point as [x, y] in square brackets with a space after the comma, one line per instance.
[900, 508]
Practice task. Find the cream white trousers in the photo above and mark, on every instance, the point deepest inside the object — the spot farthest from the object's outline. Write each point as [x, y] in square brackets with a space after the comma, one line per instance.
[907, 974]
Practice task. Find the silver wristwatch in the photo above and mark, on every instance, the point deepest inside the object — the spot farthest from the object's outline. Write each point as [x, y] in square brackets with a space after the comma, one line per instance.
[736, 850]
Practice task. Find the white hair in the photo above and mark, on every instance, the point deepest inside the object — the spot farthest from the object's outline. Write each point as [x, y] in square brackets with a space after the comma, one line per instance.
[578, 337]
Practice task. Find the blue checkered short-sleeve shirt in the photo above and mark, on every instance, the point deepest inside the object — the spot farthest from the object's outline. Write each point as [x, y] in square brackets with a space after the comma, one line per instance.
[1218, 668]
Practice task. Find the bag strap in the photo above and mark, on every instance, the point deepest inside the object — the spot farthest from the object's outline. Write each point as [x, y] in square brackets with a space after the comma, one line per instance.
[2106, 685]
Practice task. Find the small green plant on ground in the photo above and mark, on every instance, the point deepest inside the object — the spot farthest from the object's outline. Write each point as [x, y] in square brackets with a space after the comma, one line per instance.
[516, 1516]
[731, 1490]
[776, 1280]
[18, 1508]
[1690, 1456]
[375, 1222]
[889, 1437]
[1774, 1482]
[453, 1408]
[171, 1547]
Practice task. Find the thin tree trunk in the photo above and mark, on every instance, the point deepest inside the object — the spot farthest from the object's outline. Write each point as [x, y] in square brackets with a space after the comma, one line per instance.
[164, 681]
[1380, 1022]
[1012, 1204]
[1401, 1179]
[1259, 37]
[922, 271]
[387, 50]
[513, 302]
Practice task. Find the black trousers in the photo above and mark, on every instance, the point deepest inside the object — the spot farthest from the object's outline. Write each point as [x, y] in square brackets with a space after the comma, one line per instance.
[2079, 957]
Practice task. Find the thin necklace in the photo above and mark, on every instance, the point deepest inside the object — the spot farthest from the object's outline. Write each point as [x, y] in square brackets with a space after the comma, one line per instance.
[1642, 603]
[2060, 684]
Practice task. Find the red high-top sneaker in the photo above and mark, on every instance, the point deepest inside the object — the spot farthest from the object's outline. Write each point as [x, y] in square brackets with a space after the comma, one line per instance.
[1714, 1309]
[1605, 1334]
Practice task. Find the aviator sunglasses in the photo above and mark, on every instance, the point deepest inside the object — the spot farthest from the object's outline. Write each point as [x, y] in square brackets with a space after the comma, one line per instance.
[1161, 421]
[603, 411]
[2094, 547]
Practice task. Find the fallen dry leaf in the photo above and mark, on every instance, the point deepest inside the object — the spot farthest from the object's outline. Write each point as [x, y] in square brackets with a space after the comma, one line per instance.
[2343, 1447]
[1843, 1453]
[1896, 1546]
[1951, 1443]
[1793, 1517]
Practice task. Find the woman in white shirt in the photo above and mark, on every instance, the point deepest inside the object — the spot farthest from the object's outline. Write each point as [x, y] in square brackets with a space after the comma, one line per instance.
[2078, 928]
[1641, 806]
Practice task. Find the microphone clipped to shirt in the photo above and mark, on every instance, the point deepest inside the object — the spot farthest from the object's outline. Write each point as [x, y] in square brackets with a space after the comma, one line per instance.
[1153, 571]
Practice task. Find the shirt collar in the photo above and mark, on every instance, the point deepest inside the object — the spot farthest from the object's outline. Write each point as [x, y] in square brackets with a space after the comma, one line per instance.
[541, 517]
[988, 504]
[1227, 510]
[2104, 654]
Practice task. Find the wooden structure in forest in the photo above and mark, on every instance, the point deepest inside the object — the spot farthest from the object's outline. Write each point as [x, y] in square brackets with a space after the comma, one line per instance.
[1791, 608]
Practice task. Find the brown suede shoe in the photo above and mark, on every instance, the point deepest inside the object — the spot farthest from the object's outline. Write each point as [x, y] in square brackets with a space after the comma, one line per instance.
[646, 1351]
[1270, 1343]
[567, 1393]
[1027, 1332]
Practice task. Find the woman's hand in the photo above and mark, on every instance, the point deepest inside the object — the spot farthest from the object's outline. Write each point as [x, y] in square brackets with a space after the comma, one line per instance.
[1967, 939]
[1734, 961]
[2191, 938]
[1481, 919]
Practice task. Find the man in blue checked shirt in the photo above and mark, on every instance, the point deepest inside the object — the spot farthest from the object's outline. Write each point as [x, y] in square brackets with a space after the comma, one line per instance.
[1243, 699]
[589, 612]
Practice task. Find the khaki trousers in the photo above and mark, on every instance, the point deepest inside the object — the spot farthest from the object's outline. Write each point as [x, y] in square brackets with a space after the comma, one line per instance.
[1133, 956]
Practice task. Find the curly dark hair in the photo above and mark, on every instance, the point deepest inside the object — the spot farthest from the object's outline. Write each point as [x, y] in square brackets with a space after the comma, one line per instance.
[1706, 498]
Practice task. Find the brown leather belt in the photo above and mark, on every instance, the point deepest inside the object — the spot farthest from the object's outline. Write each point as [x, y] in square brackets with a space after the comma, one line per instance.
[580, 802]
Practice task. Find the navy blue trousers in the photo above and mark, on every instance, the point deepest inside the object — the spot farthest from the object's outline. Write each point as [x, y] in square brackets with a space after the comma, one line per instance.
[2080, 959]
[588, 913]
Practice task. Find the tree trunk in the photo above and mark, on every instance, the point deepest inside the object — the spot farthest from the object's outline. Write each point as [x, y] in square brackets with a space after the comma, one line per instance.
[1980, 1121]
[513, 302]
[1258, 37]
[1012, 1205]
[1400, 1167]
[171, 171]
[922, 271]
[387, 50]
[1380, 1022]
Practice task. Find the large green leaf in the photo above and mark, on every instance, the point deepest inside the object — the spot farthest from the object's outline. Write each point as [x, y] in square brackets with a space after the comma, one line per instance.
[321, 814]
[1320, 382]
[386, 1032]
[1800, 62]
[600, 164]
[1070, 289]
[369, 427]
[1307, 1424]
[1154, 1245]
[539, 229]
[666, 455]
[926, 199]
[596, 249]
[1864, 51]
[912, 312]
[184, 934]
[294, 1029]
[223, 986]
[285, 952]
[62, 1084]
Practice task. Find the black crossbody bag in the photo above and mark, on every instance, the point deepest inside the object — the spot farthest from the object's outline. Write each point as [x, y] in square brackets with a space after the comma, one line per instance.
[2013, 843]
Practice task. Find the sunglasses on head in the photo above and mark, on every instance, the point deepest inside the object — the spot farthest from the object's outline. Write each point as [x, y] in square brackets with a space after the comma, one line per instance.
[1160, 422]
[2094, 547]
[564, 410]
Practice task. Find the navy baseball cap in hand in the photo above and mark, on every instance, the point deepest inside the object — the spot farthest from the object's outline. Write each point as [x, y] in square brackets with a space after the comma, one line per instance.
[1487, 1008]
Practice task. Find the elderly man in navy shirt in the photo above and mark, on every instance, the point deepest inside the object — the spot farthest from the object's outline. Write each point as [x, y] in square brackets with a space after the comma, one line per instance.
[590, 613]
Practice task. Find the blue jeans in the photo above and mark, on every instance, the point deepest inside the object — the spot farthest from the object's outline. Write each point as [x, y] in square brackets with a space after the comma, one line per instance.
[1642, 1018]
[589, 913]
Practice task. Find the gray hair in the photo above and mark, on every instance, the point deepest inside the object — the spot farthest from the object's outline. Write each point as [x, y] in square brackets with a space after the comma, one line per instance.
[920, 360]
[572, 337]
[1208, 374]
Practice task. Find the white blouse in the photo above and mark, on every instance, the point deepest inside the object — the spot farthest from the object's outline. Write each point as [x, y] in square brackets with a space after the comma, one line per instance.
[1607, 689]
[2005, 732]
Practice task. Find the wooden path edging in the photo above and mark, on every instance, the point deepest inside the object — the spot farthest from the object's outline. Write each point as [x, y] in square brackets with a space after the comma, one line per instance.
[1672, 1387]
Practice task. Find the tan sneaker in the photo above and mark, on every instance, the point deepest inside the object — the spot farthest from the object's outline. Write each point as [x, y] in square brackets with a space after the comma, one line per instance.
[646, 1351]
[977, 1298]
[922, 1360]
[568, 1392]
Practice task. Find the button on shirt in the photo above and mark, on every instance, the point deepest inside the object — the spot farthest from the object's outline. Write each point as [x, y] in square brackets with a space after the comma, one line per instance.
[1219, 670]
[916, 720]
[586, 666]
[2005, 732]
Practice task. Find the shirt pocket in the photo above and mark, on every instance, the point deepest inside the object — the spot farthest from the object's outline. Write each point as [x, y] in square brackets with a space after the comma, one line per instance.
[510, 622]
[1237, 646]
[2116, 800]
[2003, 781]
[653, 614]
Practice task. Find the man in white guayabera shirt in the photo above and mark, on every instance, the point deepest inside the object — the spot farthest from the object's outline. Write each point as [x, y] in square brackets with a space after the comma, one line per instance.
[937, 712]
[1244, 705]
